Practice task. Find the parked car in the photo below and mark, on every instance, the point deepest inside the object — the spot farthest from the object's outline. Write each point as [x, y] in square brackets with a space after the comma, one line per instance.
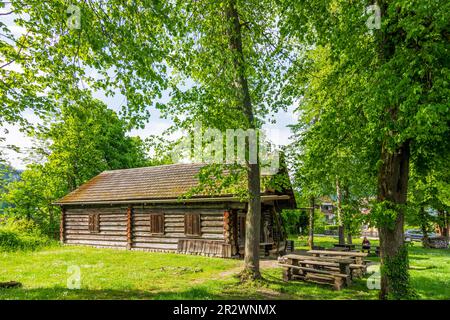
[416, 235]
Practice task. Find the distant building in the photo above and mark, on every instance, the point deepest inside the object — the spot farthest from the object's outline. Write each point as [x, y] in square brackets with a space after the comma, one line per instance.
[327, 208]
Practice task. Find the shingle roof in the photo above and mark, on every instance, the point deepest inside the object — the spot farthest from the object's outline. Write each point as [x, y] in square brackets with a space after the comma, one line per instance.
[148, 183]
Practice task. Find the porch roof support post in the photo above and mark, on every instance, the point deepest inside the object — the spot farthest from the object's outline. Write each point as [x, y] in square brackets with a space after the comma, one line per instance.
[62, 225]
[129, 220]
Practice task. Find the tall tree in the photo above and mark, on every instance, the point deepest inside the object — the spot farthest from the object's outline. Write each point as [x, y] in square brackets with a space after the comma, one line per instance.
[393, 98]
[230, 59]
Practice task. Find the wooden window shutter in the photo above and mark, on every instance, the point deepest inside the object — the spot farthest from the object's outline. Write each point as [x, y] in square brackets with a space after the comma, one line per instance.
[157, 223]
[94, 222]
[192, 224]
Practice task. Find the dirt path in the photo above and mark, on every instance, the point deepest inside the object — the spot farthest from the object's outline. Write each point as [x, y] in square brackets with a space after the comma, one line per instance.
[263, 264]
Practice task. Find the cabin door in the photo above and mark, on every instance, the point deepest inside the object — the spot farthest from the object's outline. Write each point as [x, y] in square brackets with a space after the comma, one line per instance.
[266, 230]
[241, 229]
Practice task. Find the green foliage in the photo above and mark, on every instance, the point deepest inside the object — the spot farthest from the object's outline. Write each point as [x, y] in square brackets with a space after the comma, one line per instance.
[385, 213]
[31, 197]
[320, 222]
[85, 140]
[428, 191]
[366, 94]
[119, 47]
[205, 58]
[294, 221]
[21, 234]
[331, 229]
[159, 151]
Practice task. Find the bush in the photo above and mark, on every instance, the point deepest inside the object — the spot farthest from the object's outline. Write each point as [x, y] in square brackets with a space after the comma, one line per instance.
[293, 220]
[320, 222]
[21, 234]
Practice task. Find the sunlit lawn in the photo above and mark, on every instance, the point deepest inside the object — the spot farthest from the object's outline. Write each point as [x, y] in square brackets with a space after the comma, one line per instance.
[117, 274]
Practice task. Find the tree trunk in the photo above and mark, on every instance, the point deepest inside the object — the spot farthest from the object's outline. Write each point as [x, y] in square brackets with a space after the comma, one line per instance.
[52, 229]
[311, 222]
[339, 213]
[392, 190]
[348, 225]
[443, 223]
[393, 175]
[253, 224]
[253, 219]
[424, 227]
[446, 232]
[349, 237]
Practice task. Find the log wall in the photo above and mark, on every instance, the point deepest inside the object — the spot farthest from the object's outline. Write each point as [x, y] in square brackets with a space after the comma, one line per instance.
[211, 227]
[113, 227]
[129, 227]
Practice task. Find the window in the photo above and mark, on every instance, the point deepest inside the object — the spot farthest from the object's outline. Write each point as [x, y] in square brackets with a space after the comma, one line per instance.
[157, 223]
[94, 223]
[192, 224]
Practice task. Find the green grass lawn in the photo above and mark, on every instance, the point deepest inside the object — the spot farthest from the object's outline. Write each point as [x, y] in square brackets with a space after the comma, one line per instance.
[117, 274]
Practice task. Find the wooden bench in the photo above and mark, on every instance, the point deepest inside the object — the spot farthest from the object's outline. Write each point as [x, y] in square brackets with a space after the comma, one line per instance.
[348, 247]
[323, 270]
[357, 256]
[337, 280]
[342, 264]
[375, 250]
[358, 265]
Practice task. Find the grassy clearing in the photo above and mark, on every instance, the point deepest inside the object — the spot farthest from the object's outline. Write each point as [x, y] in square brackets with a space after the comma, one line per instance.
[115, 274]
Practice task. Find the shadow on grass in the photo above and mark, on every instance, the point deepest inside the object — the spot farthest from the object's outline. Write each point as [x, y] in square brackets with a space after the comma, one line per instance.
[270, 288]
[57, 293]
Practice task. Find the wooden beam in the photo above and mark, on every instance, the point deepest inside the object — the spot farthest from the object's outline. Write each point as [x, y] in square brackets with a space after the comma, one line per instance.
[61, 225]
[226, 226]
[129, 220]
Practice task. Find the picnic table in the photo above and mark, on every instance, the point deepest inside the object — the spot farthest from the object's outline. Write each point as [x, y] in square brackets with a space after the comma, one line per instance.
[335, 249]
[356, 255]
[345, 246]
[335, 271]
[375, 249]
[359, 264]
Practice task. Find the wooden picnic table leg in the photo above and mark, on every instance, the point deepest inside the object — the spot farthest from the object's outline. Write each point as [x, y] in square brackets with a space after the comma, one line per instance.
[266, 250]
[295, 263]
[344, 268]
[337, 283]
[287, 274]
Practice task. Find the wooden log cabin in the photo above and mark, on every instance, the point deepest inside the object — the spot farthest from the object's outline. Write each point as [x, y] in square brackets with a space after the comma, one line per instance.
[140, 209]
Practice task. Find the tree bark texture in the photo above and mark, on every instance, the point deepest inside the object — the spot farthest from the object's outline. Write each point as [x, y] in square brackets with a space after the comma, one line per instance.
[253, 219]
[392, 187]
[311, 222]
[339, 213]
